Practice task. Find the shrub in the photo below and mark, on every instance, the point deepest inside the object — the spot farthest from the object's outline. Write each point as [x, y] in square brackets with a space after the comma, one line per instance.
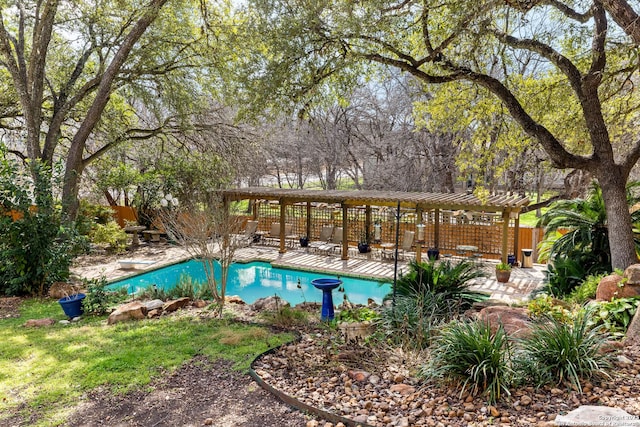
[357, 314]
[154, 292]
[562, 352]
[98, 299]
[286, 317]
[90, 214]
[586, 290]
[110, 234]
[469, 353]
[544, 306]
[35, 246]
[615, 316]
[188, 287]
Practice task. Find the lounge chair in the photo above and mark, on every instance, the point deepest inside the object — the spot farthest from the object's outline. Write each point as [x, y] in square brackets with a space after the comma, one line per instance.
[274, 232]
[326, 232]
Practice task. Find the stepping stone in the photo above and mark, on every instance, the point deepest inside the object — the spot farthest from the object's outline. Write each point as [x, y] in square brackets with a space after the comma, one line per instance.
[588, 416]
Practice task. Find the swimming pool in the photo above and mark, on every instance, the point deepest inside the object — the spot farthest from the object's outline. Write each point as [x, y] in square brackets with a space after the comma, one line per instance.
[256, 280]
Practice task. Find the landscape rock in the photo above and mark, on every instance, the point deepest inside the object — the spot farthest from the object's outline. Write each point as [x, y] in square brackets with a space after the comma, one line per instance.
[176, 304]
[131, 311]
[153, 304]
[272, 303]
[402, 389]
[632, 336]
[632, 274]
[199, 303]
[597, 416]
[38, 323]
[514, 320]
[234, 299]
[612, 286]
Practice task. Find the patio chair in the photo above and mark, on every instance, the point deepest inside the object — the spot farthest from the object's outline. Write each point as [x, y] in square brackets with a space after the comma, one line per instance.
[407, 244]
[337, 239]
[404, 250]
[326, 232]
[274, 234]
[249, 236]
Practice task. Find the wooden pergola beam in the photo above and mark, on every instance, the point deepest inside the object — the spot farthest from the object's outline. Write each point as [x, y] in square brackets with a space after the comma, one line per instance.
[507, 205]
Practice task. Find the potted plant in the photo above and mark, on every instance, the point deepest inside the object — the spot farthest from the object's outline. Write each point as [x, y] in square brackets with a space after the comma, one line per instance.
[304, 241]
[72, 304]
[503, 272]
[433, 254]
[363, 244]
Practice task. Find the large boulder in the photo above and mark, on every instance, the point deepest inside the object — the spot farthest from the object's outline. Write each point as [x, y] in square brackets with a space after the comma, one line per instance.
[597, 416]
[131, 311]
[616, 286]
[272, 303]
[515, 320]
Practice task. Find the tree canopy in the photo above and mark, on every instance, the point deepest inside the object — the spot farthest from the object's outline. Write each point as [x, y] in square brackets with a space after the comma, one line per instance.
[564, 72]
[84, 76]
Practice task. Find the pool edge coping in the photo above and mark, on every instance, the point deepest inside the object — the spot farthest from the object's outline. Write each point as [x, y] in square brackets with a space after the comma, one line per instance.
[271, 262]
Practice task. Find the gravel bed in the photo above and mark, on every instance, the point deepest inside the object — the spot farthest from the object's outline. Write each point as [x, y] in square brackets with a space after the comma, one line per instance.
[379, 387]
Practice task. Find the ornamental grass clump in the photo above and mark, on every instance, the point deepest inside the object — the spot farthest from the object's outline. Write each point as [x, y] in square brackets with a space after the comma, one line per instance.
[564, 352]
[470, 354]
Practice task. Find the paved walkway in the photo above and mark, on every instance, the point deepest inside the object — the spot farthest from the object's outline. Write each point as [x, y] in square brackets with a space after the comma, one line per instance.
[523, 280]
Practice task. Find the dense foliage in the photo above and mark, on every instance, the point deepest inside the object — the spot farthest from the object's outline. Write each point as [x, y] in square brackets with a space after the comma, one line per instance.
[36, 247]
[576, 239]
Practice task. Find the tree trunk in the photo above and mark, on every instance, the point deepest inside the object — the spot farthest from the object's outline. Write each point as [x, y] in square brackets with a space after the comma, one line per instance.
[613, 184]
[75, 165]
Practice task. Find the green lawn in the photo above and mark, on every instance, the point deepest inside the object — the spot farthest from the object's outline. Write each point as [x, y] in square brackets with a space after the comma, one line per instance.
[46, 370]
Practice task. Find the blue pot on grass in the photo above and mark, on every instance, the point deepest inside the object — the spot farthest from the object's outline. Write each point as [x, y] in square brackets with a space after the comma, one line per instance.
[72, 305]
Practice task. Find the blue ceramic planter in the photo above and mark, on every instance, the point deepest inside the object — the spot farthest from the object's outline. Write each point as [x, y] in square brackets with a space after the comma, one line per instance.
[72, 305]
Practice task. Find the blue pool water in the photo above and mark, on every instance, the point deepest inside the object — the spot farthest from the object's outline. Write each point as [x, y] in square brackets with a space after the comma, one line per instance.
[258, 280]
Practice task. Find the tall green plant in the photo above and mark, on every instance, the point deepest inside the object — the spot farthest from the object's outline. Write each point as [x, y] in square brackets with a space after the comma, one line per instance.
[469, 352]
[560, 352]
[35, 246]
[450, 281]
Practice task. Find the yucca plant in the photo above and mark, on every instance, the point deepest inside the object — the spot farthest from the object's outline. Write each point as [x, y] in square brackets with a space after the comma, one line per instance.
[469, 353]
[448, 280]
[564, 352]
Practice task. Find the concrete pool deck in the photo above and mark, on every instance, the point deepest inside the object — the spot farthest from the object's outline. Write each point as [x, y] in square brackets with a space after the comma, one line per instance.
[522, 283]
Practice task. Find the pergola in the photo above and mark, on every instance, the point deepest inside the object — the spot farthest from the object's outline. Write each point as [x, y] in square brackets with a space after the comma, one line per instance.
[507, 207]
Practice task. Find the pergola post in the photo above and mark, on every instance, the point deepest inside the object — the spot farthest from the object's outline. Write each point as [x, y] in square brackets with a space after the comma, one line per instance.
[367, 222]
[254, 206]
[516, 236]
[345, 233]
[418, 241]
[283, 215]
[308, 228]
[436, 229]
[505, 235]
